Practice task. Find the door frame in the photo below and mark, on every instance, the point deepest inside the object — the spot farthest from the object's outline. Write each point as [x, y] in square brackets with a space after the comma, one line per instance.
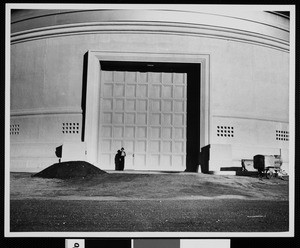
[93, 82]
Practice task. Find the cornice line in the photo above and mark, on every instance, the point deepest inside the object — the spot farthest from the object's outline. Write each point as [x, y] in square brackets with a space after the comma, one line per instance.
[147, 24]
[70, 11]
[204, 31]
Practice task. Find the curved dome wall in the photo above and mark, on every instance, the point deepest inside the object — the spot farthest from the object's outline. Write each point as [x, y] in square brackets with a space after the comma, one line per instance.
[55, 57]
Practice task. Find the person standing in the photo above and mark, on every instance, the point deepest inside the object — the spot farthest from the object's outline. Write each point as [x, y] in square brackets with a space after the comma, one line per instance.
[122, 159]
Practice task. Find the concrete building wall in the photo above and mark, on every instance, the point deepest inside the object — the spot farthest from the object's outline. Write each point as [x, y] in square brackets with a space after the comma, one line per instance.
[248, 74]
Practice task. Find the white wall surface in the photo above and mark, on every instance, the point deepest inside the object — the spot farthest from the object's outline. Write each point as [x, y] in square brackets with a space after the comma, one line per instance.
[248, 82]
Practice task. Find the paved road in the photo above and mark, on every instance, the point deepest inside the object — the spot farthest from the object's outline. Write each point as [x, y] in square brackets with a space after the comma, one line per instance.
[221, 215]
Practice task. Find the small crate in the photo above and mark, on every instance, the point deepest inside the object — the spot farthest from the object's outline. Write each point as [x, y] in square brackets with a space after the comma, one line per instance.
[259, 162]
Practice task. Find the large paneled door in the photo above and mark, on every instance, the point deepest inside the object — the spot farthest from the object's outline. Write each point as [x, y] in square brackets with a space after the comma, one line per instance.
[144, 112]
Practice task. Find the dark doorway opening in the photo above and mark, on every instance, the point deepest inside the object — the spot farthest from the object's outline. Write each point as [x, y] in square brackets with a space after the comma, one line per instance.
[193, 118]
[193, 98]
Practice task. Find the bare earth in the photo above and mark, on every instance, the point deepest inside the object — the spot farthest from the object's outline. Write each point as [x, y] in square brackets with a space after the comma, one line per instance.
[172, 202]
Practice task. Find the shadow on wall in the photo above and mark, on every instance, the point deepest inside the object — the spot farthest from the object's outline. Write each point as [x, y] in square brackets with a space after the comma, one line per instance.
[58, 152]
[204, 158]
[83, 96]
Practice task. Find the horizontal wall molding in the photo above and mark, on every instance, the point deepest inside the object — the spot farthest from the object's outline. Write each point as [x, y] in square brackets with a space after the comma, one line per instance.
[241, 19]
[199, 30]
[54, 14]
[38, 143]
[252, 118]
[38, 157]
[46, 111]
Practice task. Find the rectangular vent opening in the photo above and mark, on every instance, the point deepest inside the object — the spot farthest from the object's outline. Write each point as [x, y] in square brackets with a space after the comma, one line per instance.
[14, 129]
[225, 131]
[282, 135]
[70, 128]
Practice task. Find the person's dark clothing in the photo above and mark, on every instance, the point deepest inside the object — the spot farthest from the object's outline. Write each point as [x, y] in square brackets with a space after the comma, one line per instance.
[122, 159]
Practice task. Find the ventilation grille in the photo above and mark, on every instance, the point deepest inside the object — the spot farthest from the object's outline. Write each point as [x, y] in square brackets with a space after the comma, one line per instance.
[225, 131]
[282, 135]
[14, 129]
[70, 128]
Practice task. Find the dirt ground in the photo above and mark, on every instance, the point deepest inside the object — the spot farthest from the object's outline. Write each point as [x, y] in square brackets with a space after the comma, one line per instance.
[122, 186]
[163, 202]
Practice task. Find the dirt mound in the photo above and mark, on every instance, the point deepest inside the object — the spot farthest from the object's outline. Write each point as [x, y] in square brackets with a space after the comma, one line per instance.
[69, 169]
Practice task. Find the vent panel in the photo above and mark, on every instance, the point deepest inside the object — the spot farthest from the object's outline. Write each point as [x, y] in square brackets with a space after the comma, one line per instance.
[225, 131]
[70, 128]
[14, 129]
[282, 135]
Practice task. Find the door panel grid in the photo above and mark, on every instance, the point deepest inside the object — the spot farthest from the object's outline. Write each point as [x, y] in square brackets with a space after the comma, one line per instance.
[144, 112]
